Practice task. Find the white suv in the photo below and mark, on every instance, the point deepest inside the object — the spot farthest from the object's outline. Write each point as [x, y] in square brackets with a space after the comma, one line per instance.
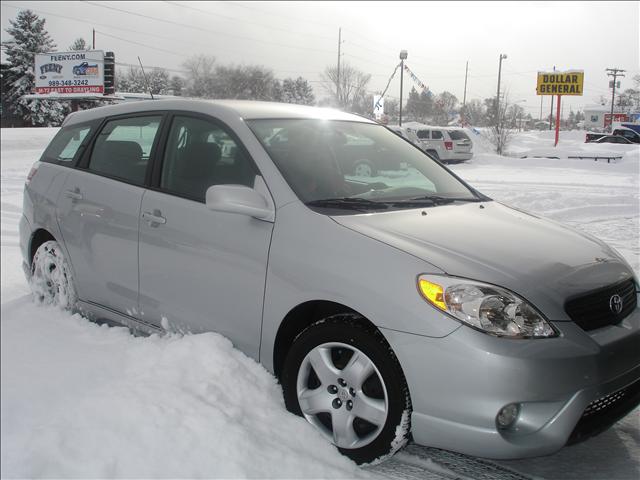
[447, 144]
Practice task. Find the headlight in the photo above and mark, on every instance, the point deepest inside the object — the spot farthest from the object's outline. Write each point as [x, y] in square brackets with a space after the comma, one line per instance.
[491, 309]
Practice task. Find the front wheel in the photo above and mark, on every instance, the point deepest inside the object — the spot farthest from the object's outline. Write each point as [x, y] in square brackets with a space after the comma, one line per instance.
[51, 279]
[346, 381]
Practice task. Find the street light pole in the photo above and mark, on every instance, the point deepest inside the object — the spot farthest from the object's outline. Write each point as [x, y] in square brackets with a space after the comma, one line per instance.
[502, 57]
[403, 56]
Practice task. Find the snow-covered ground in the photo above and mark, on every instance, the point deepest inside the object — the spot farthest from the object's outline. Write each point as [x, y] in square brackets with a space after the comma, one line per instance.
[80, 400]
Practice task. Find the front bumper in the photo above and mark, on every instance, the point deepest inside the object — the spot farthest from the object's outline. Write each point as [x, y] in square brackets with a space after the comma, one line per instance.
[459, 383]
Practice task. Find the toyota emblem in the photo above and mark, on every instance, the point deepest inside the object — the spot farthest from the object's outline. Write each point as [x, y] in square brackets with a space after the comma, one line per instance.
[615, 304]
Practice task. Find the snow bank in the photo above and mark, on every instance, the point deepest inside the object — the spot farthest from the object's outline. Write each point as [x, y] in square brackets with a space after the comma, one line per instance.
[81, 400]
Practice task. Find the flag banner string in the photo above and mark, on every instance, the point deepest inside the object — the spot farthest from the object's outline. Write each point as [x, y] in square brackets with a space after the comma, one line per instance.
[417, 81]
[377, 105]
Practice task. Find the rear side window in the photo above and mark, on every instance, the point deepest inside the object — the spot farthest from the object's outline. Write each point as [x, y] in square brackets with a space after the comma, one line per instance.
[436, 135]
[123, 147]
[458, 135]
[626, 133]
[423, 134]
[66, 144]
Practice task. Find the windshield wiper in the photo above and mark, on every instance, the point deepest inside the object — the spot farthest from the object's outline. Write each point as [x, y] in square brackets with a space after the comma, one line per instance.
[437, 199]
[348, 202]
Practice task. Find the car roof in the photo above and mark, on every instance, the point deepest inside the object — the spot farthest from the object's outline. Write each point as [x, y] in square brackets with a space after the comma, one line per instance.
[245, 109]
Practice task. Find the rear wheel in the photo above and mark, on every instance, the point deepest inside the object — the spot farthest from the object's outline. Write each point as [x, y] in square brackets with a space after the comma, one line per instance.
[51, 279]
[346, 381]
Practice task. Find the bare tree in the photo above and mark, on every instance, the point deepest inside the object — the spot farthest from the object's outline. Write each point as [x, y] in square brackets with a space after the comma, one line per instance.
[445, 103]
[352, 85]
[200, 76]
[500, 134]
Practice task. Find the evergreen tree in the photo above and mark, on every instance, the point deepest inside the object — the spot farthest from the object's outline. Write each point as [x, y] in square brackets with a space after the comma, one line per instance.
[132, 81]
[28, 38]
[419, 105]
[297, 91]
[473, 113]
[79, 44]
[413, 105]
[176, 85]
[158, 79]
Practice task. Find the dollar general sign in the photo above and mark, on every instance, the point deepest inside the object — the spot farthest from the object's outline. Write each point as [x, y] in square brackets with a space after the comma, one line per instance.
[560, 83]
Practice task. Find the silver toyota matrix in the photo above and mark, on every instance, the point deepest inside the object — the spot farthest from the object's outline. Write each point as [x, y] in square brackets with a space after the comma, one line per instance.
[392, 303]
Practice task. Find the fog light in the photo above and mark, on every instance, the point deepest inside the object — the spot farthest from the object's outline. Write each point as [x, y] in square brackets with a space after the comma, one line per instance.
[507, 415]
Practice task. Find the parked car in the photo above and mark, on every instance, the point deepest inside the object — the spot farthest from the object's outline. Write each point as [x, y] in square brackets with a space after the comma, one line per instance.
[613, 139]
[405, 132]
[447, 144]
[407, 304]
[627, 133]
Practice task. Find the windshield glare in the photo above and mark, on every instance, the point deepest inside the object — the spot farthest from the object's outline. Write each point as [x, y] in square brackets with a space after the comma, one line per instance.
[323, 159]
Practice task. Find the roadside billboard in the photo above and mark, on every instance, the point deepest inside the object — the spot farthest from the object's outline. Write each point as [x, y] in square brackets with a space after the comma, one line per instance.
[617, 117]
[70, 72]
[560, 83]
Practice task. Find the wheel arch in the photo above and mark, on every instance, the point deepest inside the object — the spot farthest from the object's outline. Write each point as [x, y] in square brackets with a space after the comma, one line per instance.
[299, 318]
[38, 237]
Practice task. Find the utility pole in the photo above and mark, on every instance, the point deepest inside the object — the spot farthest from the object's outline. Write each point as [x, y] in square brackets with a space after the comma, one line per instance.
[615, 73]
[338, 73]
[464, 99]
[502, 57]
[403, 56]
[94, 39]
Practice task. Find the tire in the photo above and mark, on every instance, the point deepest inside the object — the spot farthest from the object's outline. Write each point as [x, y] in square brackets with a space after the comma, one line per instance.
[363, 168]
[51, 278]
[434, 154]
[323, 380]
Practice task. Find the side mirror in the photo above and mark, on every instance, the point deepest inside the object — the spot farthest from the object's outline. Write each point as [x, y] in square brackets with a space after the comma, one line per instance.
[238, 199]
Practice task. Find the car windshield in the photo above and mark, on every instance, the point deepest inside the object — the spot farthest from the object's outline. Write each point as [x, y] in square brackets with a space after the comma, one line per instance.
[355, 166]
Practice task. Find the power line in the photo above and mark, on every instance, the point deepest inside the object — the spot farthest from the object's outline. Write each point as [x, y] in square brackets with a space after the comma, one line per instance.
[179, 54]
[279, 15]
[193, 27]
[182, 5]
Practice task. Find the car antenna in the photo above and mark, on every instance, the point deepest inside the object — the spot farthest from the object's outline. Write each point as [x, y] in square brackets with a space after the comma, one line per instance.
[146, 80]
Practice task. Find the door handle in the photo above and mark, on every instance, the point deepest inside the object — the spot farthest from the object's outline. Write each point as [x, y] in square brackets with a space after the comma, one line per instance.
[154, 218]
[73, 194]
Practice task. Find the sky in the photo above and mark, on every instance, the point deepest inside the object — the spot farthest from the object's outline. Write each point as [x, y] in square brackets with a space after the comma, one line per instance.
[301, 39]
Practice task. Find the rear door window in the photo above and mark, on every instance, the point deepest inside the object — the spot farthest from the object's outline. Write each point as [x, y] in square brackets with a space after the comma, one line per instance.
[123, 148]
[436, 135]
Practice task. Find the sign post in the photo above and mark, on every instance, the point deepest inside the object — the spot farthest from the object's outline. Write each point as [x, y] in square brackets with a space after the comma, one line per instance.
[560, 84]
[557, 122]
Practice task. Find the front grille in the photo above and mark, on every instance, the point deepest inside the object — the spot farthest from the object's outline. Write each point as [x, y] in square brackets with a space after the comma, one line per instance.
[592, 310]
[605, 411]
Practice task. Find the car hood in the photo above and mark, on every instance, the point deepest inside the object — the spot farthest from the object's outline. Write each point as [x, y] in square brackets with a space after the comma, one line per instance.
[539, 259]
